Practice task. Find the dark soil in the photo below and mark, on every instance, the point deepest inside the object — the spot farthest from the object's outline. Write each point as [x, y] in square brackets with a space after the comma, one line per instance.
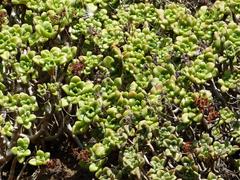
[64, 163]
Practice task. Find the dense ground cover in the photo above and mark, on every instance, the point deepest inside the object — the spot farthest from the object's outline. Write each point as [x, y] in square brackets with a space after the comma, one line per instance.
[112, 89]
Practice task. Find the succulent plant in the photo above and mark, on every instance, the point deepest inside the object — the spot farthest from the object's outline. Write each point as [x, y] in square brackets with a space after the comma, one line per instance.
[41, 158]
[105, 173]
[24, 68]
[25, 117]
[229, 81]
[133, 161]
[227, 116]
[21, 150]
[201, 71]
[55, 57]
[86, 113]
[7, 129]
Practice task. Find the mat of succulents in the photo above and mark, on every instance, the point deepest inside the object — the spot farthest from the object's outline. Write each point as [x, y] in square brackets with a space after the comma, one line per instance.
[119, 89]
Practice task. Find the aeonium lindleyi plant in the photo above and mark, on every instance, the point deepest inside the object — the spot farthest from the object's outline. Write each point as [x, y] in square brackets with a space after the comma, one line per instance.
[186, 45]
[21, 150]
[201, 71]
[25, 117]
[229, 81]
[24, 68]
[138, 14]
[86, 114]
[185, 25]
[172, 13]
[133, 161]
[105, 173]
[55, 57]
[77, 90]
[7, 129]
[8, 44]
[41, 158]
[99, 152]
